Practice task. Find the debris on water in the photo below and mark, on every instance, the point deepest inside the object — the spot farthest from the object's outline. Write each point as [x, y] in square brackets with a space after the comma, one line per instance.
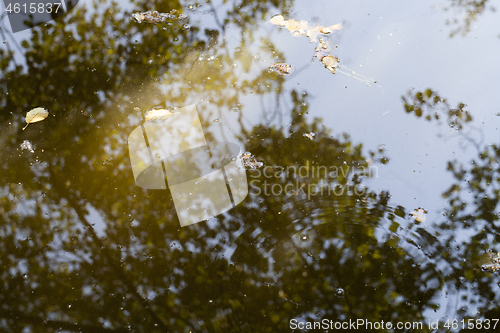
[157, 114]
[314, 32]
[301, 28]
[278, 20]
[150, 17]
[330, 62]
[358, 77]
[319, 55]
[137, 108]
[216, 120]
[328, 30]
[320, 49]
[493, 267]
[35, 115]
[281, 68]
[109, 160]
[27, 145]
[154, 16]
[419, 215]
[250, 162]
[309, 135]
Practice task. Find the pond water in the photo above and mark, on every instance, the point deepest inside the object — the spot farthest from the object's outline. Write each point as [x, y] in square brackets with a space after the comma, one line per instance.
[364, 199]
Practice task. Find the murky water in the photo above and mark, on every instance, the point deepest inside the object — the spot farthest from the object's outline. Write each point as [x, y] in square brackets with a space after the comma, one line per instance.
[369, 157]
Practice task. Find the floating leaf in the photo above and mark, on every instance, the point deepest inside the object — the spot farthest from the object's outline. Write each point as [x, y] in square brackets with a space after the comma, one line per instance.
[419, 215]
[278, 20]
[314, 32]
[322, 45]
[250, 162]
[298, 28]
[37, 114]
[139, 17]
[326, 30]
[331, 28]
[493, 267]
[330, 63]
[321, 49]
[281, 68]
[157, 114]
[309, 135]
[301, 28]
[154, 16]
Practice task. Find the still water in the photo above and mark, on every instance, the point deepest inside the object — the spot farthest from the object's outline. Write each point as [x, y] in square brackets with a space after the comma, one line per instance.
[373, 183]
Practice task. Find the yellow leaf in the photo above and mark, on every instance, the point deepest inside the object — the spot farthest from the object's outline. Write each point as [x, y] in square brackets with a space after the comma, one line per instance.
[302, 28]
[294, 26]
[281, 68]
[330, 61]
[325, 30]
[337, 26]
[157, 114]
[37, 114]
[419, 215]
[278, 20]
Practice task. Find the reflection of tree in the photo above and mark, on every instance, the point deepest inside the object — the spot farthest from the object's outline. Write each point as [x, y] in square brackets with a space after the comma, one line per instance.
[473, 202]
[431, 106]
[271, 259]
[84, 73]
[319, 255]
[470, 11]
[480, 182]
[470, 228]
